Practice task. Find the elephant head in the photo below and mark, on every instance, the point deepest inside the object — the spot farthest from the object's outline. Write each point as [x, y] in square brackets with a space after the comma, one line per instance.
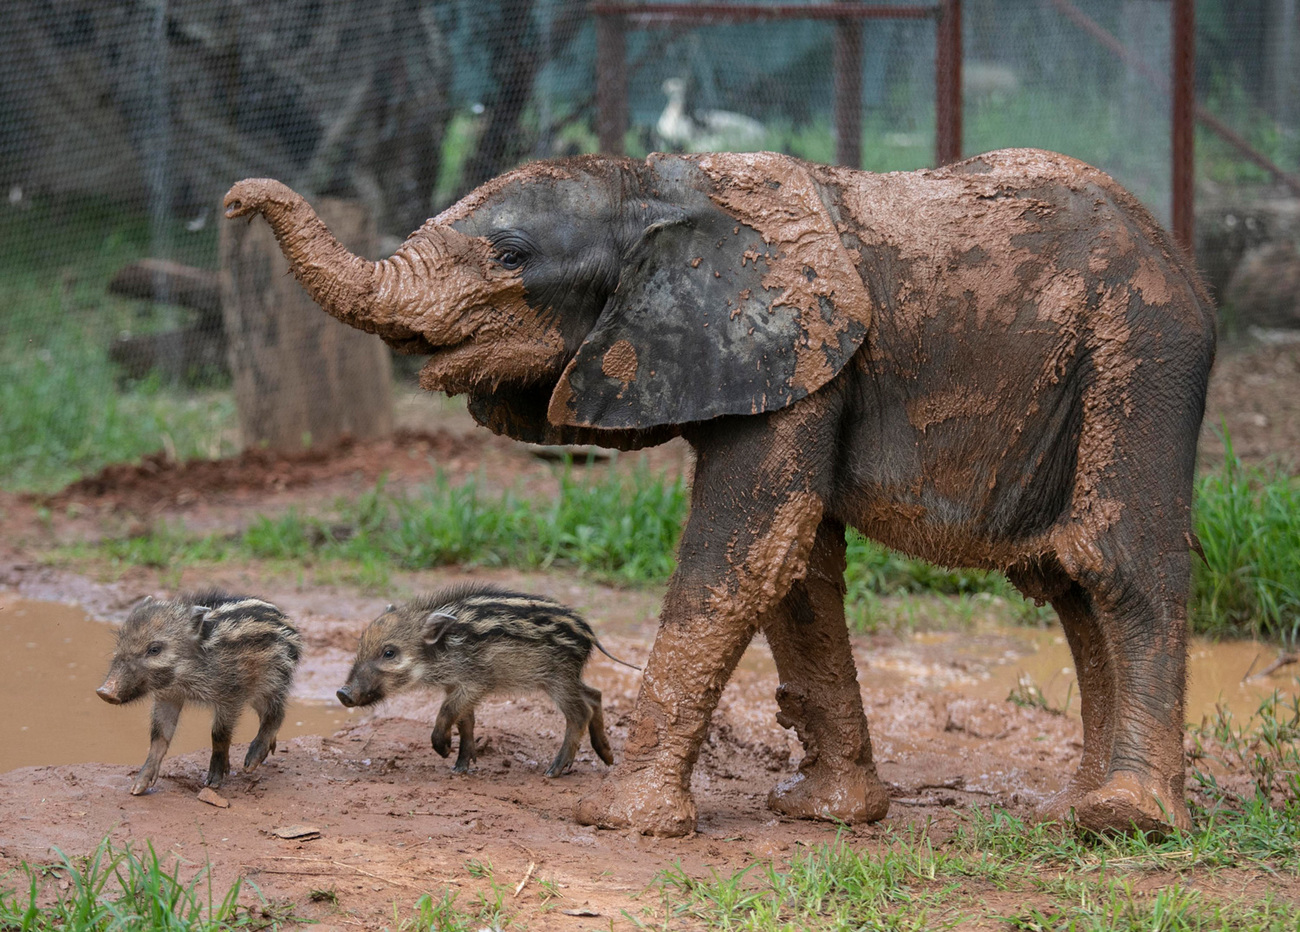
[604, 300]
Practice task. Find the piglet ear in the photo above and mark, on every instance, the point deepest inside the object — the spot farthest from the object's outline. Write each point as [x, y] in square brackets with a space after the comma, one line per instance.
[436, 624]
[197, 614]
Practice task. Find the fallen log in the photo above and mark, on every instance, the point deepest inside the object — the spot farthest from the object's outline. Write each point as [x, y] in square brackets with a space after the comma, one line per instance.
[167, 282]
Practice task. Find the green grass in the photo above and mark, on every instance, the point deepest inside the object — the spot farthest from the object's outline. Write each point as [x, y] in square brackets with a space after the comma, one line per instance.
[612, 528]
[625, 530]
[909, 880]
[124, 888]
[1248, 521]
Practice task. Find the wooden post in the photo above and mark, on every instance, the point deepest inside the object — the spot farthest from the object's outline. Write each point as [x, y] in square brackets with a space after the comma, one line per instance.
[301, 377]
[847, 62]
[947, 84]
[611, 82]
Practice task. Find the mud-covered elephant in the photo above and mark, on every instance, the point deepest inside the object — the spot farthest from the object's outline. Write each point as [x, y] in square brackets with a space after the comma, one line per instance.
[997, 364]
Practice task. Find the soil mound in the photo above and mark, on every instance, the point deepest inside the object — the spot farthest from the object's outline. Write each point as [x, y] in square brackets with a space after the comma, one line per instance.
[158, 481]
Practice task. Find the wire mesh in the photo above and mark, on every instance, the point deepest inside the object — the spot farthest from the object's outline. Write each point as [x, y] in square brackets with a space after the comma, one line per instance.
[122, 124]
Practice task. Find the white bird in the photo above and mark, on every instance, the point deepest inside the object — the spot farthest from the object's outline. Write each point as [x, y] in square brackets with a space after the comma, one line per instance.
[705, 130]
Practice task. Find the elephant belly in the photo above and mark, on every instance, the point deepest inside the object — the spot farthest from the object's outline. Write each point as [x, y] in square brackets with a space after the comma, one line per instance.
[960, 475]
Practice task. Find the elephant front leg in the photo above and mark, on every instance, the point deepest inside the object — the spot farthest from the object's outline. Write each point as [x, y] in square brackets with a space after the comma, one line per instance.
[694, 654]
[752, 523]
[819, 696]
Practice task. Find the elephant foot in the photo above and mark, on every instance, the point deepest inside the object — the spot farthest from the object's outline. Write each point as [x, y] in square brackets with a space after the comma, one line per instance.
[844, 793]
[1061, 806]
[642, 800]
[1124, 803]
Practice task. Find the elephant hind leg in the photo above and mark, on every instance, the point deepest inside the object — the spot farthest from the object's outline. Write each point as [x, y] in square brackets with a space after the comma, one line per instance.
[819, 696]
[1127, 623]
[1097, 692]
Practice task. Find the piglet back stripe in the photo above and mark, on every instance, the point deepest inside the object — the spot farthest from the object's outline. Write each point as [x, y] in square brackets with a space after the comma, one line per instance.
[212, 598]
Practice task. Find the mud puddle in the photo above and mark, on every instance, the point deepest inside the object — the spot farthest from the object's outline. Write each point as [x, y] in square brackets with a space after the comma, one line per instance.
[992, 663]
[54, 656]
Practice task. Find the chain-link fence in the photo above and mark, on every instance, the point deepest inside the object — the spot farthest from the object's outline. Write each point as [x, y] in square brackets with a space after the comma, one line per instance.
[122, 124]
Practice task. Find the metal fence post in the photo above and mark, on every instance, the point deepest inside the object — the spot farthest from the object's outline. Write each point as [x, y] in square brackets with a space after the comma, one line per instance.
[1183, 141]
[848, 92]
[611, 82]
[947, 83]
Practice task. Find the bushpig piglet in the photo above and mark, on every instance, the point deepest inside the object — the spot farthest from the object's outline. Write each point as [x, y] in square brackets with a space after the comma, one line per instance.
[209, 647]
[474, 641]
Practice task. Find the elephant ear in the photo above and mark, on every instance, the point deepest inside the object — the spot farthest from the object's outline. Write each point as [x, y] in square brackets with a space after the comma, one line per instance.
[743, 300]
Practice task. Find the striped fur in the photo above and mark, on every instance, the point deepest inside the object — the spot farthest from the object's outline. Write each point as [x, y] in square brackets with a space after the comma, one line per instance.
[474, 641]
[212, 647]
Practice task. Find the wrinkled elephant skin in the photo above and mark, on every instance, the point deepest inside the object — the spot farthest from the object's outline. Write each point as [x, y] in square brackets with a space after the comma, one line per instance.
[997, 364]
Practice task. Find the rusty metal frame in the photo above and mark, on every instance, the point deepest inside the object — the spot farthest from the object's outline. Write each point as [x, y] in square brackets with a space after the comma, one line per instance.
[1183, 142]
[613, 19]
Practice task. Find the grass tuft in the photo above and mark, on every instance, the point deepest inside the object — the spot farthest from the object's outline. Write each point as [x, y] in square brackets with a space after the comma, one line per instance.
[1248, 521]
[122, 888]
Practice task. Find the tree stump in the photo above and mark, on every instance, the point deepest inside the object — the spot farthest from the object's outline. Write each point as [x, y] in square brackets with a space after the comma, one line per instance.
[301, 377]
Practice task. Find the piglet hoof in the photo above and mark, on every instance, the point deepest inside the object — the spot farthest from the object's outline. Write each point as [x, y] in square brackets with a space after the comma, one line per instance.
[441, 742]
[1126, 803]
[256, 754]
[641, 800]
[847, 793]
[217, 772]
[141, 786]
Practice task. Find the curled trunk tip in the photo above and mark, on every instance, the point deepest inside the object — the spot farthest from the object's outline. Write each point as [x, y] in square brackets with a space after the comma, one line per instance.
[255, 194]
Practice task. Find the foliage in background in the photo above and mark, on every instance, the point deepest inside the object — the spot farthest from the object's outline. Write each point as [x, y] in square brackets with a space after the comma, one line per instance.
[63, 408]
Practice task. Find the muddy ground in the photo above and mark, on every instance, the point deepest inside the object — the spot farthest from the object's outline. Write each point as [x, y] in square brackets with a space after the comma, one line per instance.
[389, 820]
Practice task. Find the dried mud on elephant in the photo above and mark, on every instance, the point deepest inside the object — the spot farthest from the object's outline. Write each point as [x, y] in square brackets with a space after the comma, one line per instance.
[1001, 363]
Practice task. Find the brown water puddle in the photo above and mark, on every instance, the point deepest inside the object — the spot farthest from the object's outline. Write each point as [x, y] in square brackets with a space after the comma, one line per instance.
[54, 656]
[989, 664]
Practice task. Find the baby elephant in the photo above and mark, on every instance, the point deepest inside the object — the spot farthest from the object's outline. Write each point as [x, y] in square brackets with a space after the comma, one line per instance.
[474, 641]
[209, 647]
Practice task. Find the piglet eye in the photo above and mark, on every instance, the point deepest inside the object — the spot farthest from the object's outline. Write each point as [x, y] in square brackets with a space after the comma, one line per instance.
[390, 653]
[154, 649]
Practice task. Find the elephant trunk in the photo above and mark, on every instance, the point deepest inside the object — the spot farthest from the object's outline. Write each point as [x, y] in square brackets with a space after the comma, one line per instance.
[371, 296]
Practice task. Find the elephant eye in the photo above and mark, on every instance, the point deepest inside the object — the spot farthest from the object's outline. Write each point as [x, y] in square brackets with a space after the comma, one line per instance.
[510, 258]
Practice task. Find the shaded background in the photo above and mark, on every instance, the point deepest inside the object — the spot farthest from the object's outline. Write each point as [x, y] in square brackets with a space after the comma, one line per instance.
[122, 124]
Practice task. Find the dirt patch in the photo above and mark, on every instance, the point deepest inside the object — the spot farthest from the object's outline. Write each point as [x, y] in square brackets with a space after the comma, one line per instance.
[1255, 395]
[158, 483]
[394, 821]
